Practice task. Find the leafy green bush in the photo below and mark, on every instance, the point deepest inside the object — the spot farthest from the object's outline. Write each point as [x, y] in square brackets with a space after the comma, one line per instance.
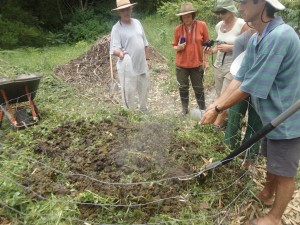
[13, 11]
[291, 14]
[16, 33]
[85, 25]
[148, 7]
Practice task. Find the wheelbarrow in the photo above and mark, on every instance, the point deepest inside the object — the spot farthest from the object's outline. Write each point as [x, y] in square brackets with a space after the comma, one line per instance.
[17, 100]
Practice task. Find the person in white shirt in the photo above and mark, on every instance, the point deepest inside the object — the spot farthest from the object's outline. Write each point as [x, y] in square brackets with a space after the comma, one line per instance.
[129, 43]
[228, 29]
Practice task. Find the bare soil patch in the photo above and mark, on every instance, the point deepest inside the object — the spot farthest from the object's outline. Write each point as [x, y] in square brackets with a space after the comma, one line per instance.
[124, 162]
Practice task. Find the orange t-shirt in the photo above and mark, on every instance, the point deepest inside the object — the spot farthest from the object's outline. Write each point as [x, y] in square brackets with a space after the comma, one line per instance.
[191, 56]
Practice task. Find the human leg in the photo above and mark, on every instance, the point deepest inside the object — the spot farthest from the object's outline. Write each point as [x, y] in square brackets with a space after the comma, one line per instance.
[182, 75]
[218, 77]
[143, 90]
[284, 189]
[266, 195]
[196, 75]
[222, 79]
[282, 165]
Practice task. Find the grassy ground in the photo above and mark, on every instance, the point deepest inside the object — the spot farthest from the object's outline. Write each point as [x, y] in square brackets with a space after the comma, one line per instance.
[59, 103]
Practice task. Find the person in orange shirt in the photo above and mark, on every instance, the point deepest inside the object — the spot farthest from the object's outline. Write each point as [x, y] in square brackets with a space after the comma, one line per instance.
[191, 63]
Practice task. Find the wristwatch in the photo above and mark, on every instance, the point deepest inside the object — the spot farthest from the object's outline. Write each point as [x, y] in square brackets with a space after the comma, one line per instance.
[218, 110]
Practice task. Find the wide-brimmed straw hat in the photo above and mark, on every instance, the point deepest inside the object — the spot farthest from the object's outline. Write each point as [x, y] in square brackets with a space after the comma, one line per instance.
[225, 4]
[122, 4]
[186, 8]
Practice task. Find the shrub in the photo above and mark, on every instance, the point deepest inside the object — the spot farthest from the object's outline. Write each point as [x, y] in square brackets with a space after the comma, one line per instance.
[85, 25]
[291, 14]
[15, 34]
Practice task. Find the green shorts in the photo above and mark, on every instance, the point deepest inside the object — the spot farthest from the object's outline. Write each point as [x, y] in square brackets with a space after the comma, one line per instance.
[282, 156]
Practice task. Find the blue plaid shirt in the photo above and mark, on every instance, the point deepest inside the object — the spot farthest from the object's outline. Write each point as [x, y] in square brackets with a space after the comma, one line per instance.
[270, 73]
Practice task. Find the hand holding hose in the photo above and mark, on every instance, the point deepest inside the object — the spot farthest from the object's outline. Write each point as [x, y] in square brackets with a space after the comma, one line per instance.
[209, 116]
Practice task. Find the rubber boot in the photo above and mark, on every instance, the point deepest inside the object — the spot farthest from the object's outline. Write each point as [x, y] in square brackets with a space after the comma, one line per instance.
[200, 100]
[185, 106]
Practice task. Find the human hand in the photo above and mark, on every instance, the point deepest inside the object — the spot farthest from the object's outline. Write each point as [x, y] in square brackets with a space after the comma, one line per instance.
[224, 47]
[209, 116]
[121, 54]
[208, 50]
[180, 47]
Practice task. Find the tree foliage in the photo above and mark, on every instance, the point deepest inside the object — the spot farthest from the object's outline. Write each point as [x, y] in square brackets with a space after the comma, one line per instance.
[292, 13]
[35, 22]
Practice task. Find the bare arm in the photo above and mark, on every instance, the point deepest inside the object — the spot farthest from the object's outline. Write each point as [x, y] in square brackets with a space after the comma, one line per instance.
[205, 60]
[244, 28]
[147, 52]
[230, 97]
[179, 47]
[225, 47]
[147, 57]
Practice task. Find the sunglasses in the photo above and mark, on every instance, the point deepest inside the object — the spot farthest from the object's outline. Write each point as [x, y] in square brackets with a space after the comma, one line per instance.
[221, 12]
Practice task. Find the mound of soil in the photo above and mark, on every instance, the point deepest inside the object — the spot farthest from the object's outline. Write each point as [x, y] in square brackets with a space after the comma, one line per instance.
[130, 164]
[90, 68]
[93, 75]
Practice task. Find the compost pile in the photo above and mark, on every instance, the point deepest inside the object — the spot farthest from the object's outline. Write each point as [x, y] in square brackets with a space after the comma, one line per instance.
[91, 72]
[89, 68]
[96, 158]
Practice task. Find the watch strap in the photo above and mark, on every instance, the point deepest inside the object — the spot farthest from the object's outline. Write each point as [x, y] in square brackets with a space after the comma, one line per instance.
[218, 110]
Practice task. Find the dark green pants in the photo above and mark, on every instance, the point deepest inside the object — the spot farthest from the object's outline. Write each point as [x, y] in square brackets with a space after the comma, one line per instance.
[196, 76]
[234, 126]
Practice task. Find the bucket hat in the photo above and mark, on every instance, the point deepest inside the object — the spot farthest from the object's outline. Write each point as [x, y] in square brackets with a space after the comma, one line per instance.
[122, 4]
[186, 8]
[225, 4]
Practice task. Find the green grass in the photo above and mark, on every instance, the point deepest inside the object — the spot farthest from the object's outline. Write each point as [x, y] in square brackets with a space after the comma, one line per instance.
[58, 103]
[43, 60]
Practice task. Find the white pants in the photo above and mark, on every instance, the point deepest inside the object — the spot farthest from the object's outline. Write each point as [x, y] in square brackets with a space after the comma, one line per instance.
[130, 83]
